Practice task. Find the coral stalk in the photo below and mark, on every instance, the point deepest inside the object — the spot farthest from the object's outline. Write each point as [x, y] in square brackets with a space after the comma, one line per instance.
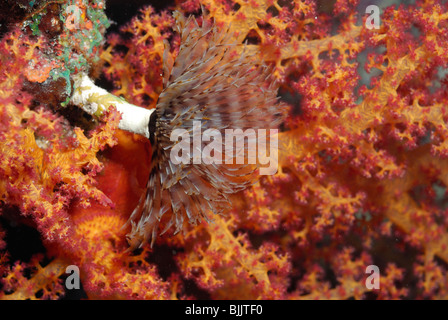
[95, 101]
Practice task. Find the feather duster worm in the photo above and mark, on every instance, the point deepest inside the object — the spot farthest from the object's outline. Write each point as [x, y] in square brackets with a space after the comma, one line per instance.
[208, 82]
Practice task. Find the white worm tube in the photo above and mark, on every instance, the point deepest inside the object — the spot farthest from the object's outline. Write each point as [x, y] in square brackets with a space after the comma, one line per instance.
[95, 100]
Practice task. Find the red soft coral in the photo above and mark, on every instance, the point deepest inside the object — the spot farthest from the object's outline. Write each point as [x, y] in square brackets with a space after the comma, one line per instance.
[362, 162]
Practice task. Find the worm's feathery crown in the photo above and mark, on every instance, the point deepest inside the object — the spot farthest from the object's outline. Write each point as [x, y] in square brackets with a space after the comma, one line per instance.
[208, 82]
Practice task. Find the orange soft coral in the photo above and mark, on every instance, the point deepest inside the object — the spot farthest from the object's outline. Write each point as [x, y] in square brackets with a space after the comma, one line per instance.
[362, 162]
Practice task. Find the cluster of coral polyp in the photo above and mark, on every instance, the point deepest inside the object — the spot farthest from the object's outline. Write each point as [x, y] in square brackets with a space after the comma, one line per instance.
[363, 168]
